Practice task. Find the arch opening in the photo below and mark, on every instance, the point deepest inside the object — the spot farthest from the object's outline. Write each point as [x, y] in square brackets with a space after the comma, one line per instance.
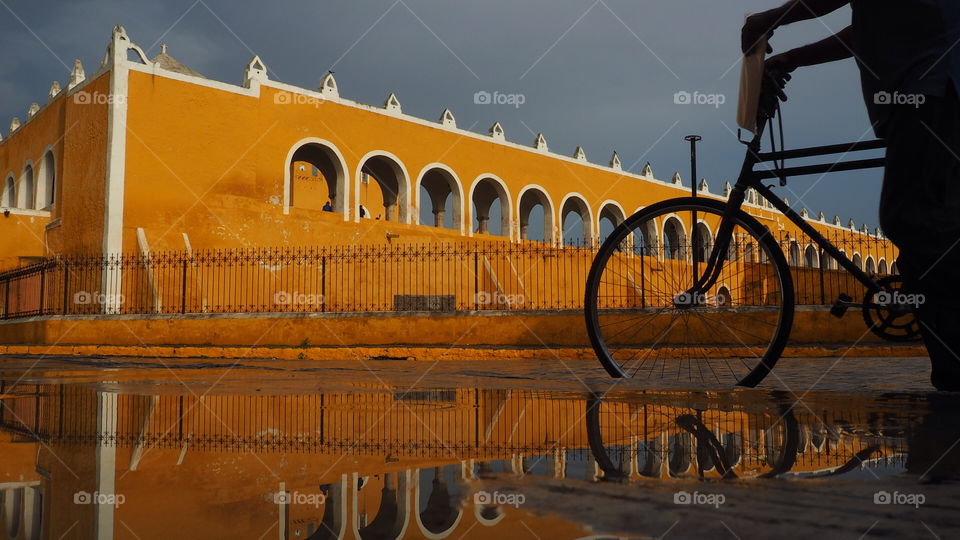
[440, 199]
[536, 210]
[674, 239]
[317, 179]
[26, 193]
[611, 216]
[383, 190]
[575, 222]
[489, 208]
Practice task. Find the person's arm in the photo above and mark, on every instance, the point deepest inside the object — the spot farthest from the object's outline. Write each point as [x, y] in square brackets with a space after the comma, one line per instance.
[836, 47]
[763, 24]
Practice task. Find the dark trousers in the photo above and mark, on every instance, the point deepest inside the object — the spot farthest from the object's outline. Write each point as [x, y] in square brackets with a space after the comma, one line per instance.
[920, 213]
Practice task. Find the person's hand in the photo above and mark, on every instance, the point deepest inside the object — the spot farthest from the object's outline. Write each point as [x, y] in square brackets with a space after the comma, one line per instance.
[782, 63]
[756, 27]
[775, 79]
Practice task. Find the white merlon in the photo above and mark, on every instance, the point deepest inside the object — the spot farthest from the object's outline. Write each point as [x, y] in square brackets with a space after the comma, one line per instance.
[804, 213]
[647, 170]
[392, 104]
[447, 119]
[836, 221]
[821, 217]
[540, 143]
[496, 131]
[579, 154]
[256, 72]
[14, 124]
[33, 110]
[703, 186]
[676, 179]
[852, 225]
[77, 74]
[727, 188]
[615, 163]
[328, 86]
[54, 91]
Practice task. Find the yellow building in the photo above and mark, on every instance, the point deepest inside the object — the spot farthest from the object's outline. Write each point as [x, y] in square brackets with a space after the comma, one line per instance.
[146, 156]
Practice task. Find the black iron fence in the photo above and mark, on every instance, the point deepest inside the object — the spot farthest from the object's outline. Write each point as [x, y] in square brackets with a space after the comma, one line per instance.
[389, 278]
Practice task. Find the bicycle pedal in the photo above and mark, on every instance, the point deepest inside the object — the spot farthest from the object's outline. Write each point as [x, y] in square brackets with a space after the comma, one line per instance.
[841, 305]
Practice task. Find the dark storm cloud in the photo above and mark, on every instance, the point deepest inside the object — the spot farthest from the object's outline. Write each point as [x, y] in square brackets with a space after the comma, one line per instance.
[601, 74]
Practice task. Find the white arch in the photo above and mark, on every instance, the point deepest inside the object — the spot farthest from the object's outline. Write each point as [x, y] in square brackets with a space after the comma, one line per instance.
[603, 206]
[548, 212]
[344, 197]
[506, 207]
[26, 199]
[488, 522]
[588, 220]
[882, 266]
[711, 239]
[663, 229]
[403, 191]
[417, 509]
[8, 197]
[870, 262]
[45, 182]
[857, 260]
[816, 255]
[404, 489]
[458, 202]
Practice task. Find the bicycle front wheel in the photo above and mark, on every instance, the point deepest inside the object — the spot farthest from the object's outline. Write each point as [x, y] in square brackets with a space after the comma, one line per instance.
[643, 322]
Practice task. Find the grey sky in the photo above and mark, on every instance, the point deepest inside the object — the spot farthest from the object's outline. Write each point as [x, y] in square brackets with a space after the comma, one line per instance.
[601, 74]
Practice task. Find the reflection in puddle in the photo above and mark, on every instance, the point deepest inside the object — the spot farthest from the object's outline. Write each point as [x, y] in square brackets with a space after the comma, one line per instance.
[82, 462]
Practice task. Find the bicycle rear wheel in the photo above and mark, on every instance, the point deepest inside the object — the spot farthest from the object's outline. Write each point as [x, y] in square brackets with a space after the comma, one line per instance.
[642, 322]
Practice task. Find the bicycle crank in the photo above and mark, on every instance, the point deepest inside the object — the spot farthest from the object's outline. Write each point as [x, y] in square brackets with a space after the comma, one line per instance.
[890, 313]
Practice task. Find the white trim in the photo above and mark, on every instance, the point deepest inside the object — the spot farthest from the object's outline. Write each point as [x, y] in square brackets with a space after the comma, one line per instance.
[417, 510]
[589, 235]
[21, 202]
[549, 212]
[342, 179]
[506, 207]
[40, 173]
[458, 202]
[403, 191]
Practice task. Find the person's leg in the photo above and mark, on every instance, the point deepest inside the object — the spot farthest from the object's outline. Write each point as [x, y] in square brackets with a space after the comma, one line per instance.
[920, 213]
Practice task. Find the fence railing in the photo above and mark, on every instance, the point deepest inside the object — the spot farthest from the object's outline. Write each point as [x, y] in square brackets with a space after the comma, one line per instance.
[387, 278]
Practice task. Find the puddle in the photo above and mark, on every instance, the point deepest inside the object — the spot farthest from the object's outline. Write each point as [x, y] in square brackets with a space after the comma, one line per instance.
[177, 455]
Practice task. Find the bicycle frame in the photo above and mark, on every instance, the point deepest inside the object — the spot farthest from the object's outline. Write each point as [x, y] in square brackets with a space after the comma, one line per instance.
[751, 178]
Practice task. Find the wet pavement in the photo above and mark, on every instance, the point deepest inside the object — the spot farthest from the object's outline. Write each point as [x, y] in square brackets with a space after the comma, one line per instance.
[239, 448]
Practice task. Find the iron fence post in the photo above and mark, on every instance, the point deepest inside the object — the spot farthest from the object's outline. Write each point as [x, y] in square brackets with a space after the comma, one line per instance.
[183, 287]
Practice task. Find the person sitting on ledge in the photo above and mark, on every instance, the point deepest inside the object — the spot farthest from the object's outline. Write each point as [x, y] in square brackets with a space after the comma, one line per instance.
[910, 73]
[328, 207]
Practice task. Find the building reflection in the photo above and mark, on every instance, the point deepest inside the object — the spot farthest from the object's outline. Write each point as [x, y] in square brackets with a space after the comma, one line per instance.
[377, 463]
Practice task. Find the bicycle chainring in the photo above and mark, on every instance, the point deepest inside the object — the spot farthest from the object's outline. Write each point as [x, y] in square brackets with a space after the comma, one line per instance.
[889, 314]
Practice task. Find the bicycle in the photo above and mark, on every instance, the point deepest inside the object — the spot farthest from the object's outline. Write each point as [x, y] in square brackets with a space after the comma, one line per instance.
[657, 306]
